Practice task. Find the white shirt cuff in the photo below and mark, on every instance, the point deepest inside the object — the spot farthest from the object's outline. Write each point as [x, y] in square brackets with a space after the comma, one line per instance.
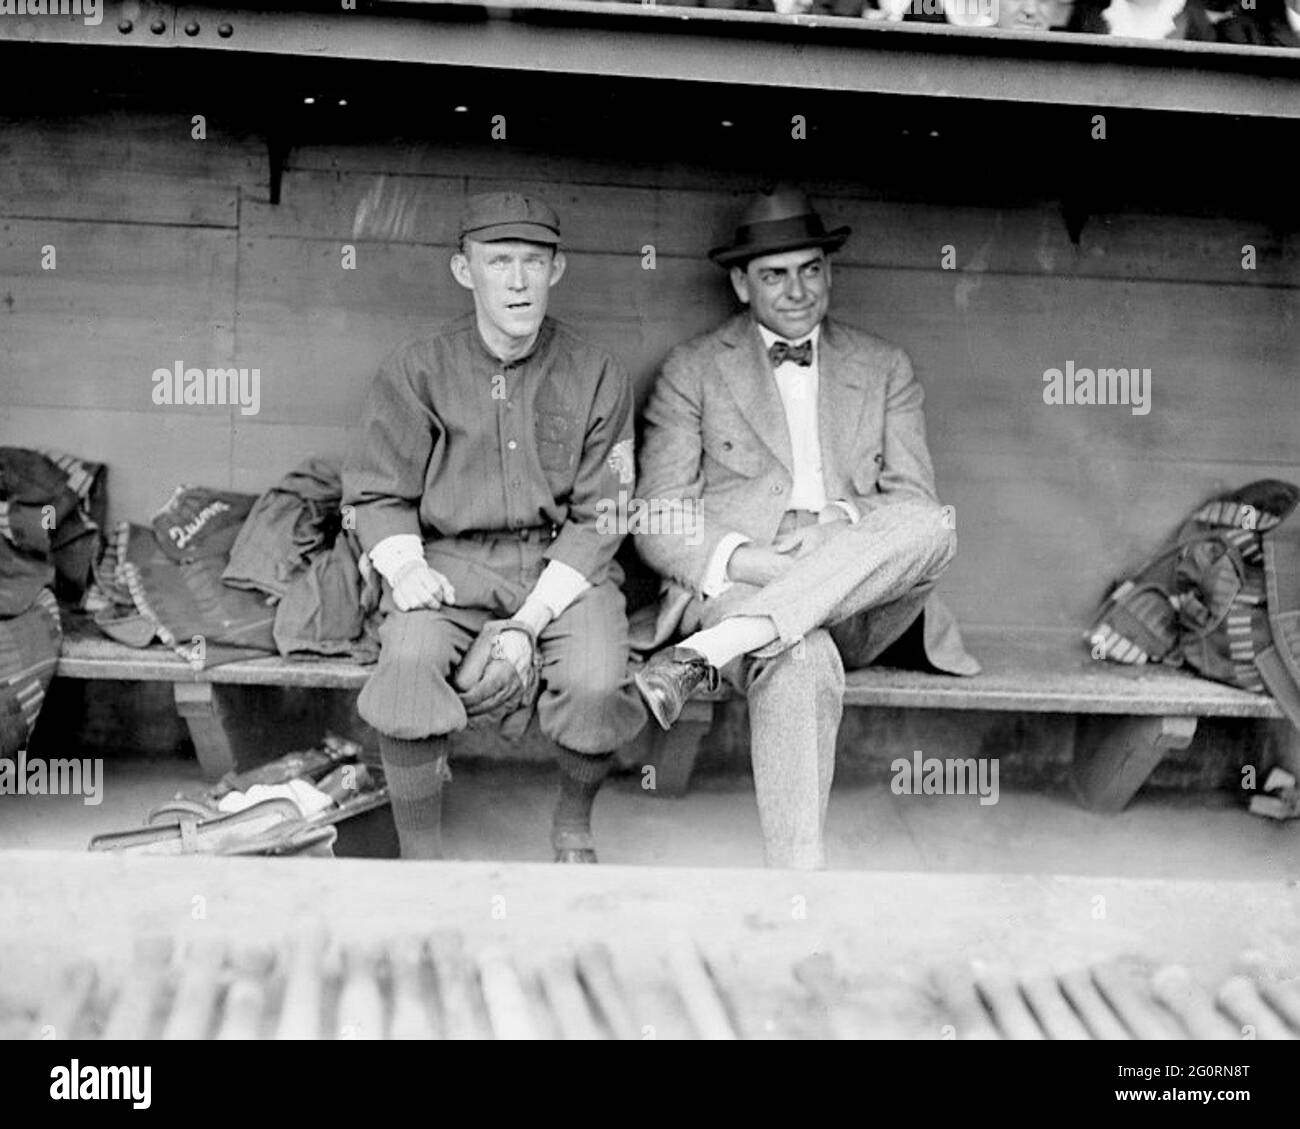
[846, 507]
[393, 552]
[715, 580]
[558, 586]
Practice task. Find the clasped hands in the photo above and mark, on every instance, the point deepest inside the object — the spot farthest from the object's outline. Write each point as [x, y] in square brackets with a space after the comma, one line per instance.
[762, 564]
[500, 668]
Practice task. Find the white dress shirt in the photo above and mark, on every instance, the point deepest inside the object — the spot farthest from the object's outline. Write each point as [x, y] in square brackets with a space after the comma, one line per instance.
[797, 385]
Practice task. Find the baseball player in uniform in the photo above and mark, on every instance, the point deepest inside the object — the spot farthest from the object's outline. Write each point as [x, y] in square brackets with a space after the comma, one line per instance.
[483, 454]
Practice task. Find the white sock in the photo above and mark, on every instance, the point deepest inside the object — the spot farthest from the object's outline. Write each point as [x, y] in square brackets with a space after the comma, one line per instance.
[732, 638]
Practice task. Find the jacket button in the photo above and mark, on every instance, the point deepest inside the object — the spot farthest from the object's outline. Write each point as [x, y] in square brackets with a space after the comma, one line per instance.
[777, 488]
[726, 445]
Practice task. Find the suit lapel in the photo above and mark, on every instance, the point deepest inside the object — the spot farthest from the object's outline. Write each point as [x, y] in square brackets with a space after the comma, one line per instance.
[840, 395]
[748, 376]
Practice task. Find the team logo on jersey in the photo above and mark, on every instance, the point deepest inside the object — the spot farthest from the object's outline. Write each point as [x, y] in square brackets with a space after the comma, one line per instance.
[622, 462]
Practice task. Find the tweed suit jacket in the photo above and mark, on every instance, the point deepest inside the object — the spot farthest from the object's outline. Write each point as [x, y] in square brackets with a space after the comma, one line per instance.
[716, 434]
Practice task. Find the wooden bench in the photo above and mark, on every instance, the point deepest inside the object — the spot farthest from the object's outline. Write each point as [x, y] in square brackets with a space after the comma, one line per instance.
[199, 694]
[1126, 718]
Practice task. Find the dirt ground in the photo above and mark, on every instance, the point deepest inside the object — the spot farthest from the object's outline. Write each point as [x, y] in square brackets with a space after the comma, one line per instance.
[500, 811]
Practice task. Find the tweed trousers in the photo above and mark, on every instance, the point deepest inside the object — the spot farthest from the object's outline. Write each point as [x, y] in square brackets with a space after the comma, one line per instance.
[587, 702]
[838, 608]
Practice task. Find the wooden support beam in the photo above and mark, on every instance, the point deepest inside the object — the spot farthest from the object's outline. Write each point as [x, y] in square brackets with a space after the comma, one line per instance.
[1283, 747]
[710, 45]
[199, 703]
[1113, 756]
[673, 753]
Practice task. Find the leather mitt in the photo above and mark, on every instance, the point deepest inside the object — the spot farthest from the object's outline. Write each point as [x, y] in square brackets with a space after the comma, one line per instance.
[489, 682]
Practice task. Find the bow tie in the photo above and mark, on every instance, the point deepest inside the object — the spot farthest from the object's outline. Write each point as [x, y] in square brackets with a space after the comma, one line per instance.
[781, 351]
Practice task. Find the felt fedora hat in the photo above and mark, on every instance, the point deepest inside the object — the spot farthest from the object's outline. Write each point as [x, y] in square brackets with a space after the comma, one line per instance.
[779, 220]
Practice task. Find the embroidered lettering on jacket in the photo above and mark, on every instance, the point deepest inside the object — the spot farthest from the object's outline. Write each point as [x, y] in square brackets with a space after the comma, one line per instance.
[184, 534]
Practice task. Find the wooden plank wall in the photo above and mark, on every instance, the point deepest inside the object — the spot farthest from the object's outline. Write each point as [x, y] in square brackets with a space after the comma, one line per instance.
[168, 249]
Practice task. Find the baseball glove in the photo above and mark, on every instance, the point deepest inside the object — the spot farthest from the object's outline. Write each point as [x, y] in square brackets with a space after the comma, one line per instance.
[488, 682]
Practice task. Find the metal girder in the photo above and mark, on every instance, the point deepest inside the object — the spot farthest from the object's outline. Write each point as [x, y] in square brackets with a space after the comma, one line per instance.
[716, 46]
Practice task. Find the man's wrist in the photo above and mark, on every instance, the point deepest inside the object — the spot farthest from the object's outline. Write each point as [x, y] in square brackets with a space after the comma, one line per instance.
[717, 577]
[535, 614]
[736, 557]
[393, 554]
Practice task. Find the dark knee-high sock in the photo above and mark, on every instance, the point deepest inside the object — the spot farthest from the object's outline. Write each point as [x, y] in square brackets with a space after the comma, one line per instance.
[581, 776]
[415, 772]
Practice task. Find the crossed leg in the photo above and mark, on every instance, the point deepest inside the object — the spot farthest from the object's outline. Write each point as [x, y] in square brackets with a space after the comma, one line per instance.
[785, 646]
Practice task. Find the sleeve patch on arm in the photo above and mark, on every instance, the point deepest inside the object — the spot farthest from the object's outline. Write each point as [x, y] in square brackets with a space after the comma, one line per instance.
[622, 461]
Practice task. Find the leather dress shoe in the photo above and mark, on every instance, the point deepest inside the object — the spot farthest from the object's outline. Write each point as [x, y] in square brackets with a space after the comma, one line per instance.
[669, 678]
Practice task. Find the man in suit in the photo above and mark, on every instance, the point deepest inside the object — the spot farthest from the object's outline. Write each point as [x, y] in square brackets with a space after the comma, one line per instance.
[485, 452]
[800, 442]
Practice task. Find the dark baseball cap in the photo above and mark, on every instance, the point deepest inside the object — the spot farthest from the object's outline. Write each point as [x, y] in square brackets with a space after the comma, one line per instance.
[493, 216]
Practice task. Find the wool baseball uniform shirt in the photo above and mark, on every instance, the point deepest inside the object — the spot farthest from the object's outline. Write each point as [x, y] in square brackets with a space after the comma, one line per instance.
[454, 441]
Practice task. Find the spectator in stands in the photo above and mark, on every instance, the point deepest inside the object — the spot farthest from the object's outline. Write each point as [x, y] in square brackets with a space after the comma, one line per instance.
[972, 13]
[1011, 15]
[850, 9]
[1033, 15]
[1143, 19]
[1271, 23]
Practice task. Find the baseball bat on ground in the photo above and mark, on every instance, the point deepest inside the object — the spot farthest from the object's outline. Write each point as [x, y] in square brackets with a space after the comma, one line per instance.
[1054, 1014]
[142, 988]
[1096, 1013]
[999, 991]
[246, 997]
[955, 987]
[300, 1009]
[410, 1012]
[1283, 996]
[596, 969]
[75, 985]
[694, 983]
[361, 1003]
[504, 995]
[568, 1002]
[1128, 993]
[1239, 997]
[1174, 987]
[194, 1005]
[457, 991]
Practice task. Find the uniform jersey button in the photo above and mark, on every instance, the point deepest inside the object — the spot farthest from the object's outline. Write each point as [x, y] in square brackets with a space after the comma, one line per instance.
[512, 444]
[777, 488]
